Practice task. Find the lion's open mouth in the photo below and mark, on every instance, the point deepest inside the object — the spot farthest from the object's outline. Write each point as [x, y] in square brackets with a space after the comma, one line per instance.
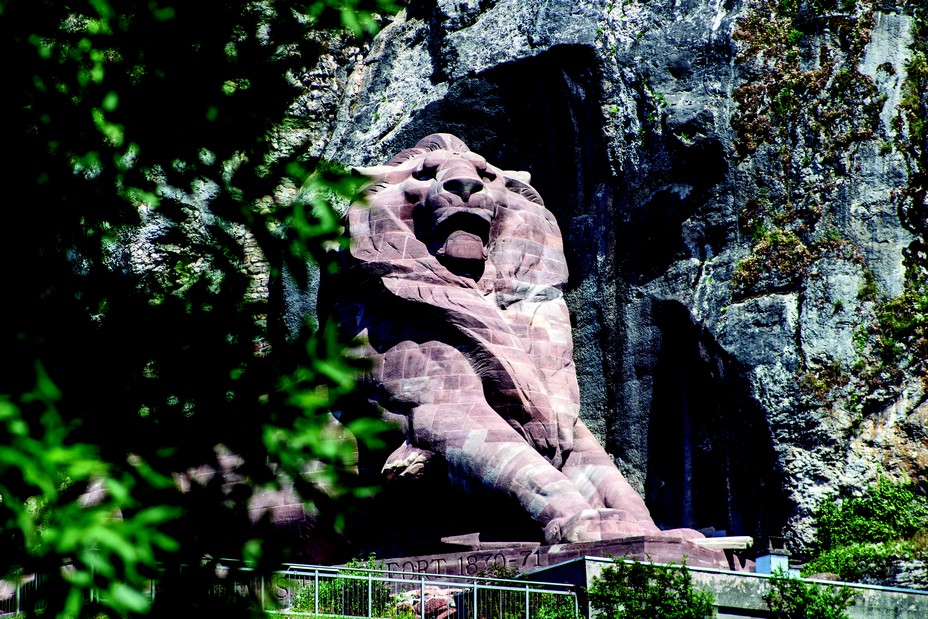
[465, 233]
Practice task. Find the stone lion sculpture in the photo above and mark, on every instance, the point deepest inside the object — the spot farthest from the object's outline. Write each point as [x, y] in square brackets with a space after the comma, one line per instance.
[454, 289]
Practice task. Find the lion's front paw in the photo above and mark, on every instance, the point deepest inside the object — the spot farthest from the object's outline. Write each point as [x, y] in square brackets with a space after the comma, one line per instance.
[593, 525]
[407, 462]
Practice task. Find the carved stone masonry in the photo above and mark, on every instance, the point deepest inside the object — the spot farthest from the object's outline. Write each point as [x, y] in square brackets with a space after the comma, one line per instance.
[455, 277]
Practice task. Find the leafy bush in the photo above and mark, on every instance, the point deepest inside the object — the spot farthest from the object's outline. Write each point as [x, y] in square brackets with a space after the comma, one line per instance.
[854, 561]
[864, 535]
[887, 511]
[794, 598]
[551, 606]
[631, 589]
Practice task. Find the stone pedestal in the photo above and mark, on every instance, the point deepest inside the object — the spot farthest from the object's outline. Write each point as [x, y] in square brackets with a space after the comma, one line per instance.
[528, 557]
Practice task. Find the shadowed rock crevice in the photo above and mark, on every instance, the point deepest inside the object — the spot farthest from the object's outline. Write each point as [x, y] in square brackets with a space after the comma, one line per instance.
[665, 207]
[711, 461]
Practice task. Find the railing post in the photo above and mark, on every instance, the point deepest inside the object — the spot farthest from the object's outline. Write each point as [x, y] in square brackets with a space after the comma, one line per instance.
[316, 592]
[422, 597]
[475, 599]
[370, 594]
[526, 602]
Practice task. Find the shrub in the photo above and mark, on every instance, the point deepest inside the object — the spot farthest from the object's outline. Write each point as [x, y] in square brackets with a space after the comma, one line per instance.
[854, 561]
[865, 535]
[887, 511]
[794, 598]
[778, 252]
[631, 589]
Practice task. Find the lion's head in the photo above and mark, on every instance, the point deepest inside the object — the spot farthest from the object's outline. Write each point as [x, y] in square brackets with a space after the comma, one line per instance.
[450, 199]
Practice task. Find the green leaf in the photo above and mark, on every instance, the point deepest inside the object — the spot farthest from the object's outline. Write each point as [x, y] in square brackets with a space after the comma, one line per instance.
[110, 101]
[125, 597]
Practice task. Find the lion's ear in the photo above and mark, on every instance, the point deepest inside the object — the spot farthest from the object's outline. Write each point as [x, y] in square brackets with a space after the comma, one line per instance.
[523, 177]
[518, 182]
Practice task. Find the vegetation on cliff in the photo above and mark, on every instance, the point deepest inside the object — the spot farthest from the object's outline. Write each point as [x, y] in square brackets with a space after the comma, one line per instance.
[861, 537]
[815, 116]
[832, 98]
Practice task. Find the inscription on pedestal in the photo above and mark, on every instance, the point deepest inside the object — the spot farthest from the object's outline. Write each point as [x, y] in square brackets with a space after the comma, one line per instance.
[472, 563]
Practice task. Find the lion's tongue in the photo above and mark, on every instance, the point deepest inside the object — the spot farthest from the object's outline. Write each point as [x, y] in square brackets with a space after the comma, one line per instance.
[463, 245]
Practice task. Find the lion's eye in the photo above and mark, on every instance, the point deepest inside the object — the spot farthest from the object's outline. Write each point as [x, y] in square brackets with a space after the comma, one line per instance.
[425, 173]
[488, 175]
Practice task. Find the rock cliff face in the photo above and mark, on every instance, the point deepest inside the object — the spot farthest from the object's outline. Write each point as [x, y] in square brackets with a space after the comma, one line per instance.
[736, 183]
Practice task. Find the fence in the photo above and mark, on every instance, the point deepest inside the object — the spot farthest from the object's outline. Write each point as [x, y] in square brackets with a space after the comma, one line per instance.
[355, 592]
[13, 594]
[333, 592]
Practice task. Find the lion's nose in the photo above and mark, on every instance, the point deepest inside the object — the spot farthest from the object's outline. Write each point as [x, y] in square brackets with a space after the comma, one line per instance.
[462, 186]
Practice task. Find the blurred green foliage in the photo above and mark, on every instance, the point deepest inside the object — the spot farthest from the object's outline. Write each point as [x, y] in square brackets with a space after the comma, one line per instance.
[118, 378]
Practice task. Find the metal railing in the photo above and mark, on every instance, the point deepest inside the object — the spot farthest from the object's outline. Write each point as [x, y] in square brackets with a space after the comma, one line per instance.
[14, 593]
[360, 593]
[314, 591]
